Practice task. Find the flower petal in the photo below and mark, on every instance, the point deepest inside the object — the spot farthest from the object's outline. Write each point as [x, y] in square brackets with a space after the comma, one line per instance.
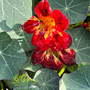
[50, 61]
[40, 41]
[47, 58]
[31, 25]
[67, 56]
[61, 20]
[61, 41]
[43, 9]
[37, 56]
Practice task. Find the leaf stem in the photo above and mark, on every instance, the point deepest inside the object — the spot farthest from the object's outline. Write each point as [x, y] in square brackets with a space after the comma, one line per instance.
[2, 86]
[62, 70]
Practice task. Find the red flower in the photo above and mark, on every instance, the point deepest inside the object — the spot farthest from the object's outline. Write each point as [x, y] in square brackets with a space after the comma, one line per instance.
[61, 41]
[51, 41]
[49, 60]
[49, 28]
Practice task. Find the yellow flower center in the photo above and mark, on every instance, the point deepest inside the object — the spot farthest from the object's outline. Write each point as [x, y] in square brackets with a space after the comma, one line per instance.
[48, 25]
[48, 21]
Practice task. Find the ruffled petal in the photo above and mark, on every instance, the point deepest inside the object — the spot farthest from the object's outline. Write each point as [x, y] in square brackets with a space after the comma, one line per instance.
[50, 61]
[40, 41]
[61, 20]
[43, 9]
[67, 56]
[31, 25]
[37, 56]
[47, 59]
[61, 41]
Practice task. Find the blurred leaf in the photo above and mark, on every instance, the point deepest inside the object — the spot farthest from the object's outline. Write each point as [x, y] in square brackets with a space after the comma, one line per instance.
[78, 80]
[75, 10]
[75, 25]
[81, 44]
[27, 88]
[89, 9]
[47, 79]
[11, 57]
[15, 11]
[72, 68]
[28, 64]
[23, 38]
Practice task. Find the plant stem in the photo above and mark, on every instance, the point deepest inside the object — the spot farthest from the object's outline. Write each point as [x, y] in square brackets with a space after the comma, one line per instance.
[2, 86]
[62, 70]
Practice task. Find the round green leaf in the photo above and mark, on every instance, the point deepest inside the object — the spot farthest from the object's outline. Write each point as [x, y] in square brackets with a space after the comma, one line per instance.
[15, 11]
[78, 80]
[47, 79]
[11, 57]
[27, 88]
[23, 38]
[28, 64]
[75, 10]
[81, 44]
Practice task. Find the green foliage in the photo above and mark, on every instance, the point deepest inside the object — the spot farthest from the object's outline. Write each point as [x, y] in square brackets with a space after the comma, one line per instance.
[22, 80]
[15, 11]
[72, 68]
[28, 64]
[81, 44]
[75, 10]
[47, 79]
[11, 57]
[75, 25]
[78, 80]
[89, 10]
[27, 88]
[16, 48]
[23, 38]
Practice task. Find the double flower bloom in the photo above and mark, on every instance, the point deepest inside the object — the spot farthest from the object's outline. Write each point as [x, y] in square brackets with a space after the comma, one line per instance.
[51, 42]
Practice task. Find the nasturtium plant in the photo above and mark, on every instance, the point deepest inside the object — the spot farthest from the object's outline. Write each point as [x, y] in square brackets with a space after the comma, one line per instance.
[44, 44]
